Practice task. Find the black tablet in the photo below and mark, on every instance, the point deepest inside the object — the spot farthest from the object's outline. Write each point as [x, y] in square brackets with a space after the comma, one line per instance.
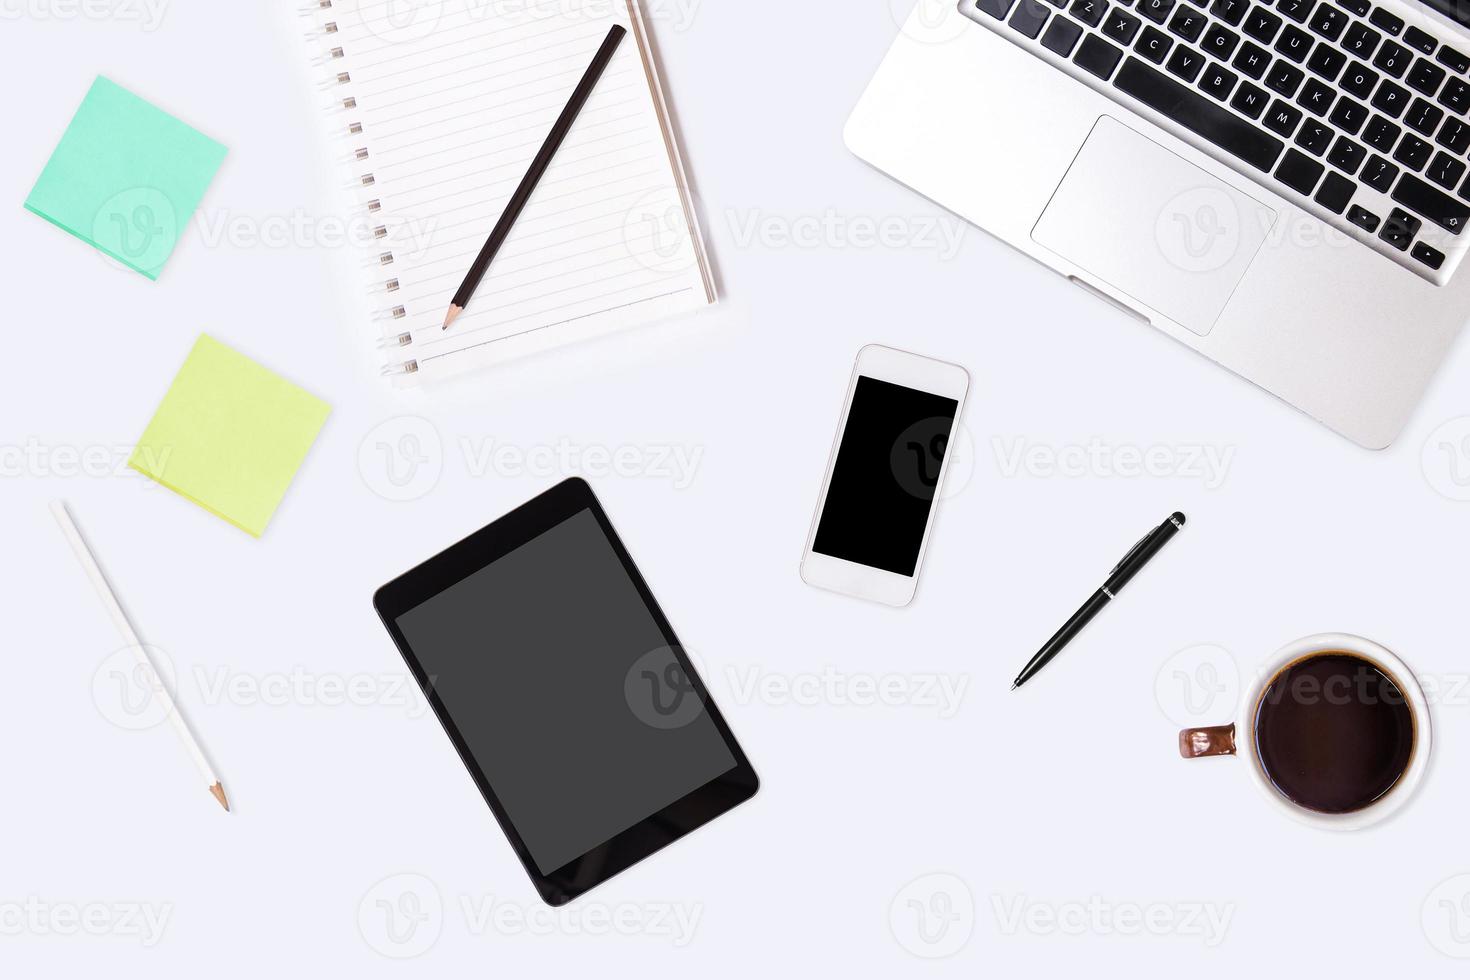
[562, 685]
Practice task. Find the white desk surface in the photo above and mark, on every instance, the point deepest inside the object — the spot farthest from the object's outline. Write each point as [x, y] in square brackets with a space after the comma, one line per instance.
[1076, 833]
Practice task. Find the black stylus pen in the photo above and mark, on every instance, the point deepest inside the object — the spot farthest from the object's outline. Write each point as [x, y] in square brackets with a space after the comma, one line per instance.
[1141, 554]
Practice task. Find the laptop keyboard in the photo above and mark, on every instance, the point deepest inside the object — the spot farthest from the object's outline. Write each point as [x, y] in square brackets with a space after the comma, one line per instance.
[1341, 106]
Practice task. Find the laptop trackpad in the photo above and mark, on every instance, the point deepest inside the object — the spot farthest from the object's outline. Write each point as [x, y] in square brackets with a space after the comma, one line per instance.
[1153, 225]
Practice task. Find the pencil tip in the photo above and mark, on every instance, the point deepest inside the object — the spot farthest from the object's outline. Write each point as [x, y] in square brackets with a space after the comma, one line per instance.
[449, 317]
[218, 792]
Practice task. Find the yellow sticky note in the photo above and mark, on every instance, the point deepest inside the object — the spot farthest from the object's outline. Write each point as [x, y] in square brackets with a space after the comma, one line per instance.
[230, 435]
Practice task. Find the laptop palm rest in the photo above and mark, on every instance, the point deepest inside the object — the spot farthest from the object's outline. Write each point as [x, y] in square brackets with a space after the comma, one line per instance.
[1153, 226]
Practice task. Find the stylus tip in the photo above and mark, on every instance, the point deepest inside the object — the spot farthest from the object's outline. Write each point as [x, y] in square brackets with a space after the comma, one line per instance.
[1015, 684]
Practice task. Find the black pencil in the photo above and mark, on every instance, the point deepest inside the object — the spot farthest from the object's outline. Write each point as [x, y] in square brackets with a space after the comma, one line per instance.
[517, 202]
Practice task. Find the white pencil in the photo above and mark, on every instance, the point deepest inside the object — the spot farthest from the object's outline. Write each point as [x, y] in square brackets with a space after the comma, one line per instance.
[130, 637]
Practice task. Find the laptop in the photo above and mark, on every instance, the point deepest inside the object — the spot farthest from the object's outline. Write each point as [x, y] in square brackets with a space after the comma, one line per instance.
[1280, 185]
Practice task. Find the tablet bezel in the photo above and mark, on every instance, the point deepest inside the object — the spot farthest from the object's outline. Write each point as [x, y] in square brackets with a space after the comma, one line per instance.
[653, 832]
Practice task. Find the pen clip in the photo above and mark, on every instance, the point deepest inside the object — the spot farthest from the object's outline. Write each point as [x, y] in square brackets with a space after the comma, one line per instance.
[1131, 552]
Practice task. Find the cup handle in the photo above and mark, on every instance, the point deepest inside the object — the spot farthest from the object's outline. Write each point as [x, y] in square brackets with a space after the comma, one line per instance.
[1196, 743]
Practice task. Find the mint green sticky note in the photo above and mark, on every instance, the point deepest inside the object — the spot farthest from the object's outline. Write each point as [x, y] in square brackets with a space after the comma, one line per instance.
[229, 435]
[126, 177]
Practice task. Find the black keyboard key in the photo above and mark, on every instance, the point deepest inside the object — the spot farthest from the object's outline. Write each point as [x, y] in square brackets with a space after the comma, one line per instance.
[1400, 228]
[1359, 80]
[1251, 60]
[1217, 82]
[1061, 36]
[1284, 78]
[1097, 56]
[1230, 11]
[1425, 77]
[1381, 134]
[1390, 99]
[1360, 40]
[1456, 96]
[1188, 23]
[1445, 170]
[1294, 43]
[1454, 136]
[1335, 193]
[1030, 17]
[1314, 137]
[1385, 21]
[1431, 257]
[1155, 10]
[1346, 155]
[1423, 117]
[1328, 21]
[1249, 100]
[1316, 97]
[1299, 172]
[1262, 24]
[1121, 26]
[1359, 7]
[1420, 41]
[1090, 12]
[1348, 115]
[1450, 213]
[995, 8]
[1457, 61]
[1297, 10]
[1198, 114]
[1378, 174]
[1392, 59]
[1282, 118]
[1219, 42]
[1186, 63]
[1363, 218]
[1326, 61]
[1412, 152]
[1154, 45]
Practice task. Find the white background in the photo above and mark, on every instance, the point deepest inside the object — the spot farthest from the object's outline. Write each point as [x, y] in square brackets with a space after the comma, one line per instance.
[1068, 791]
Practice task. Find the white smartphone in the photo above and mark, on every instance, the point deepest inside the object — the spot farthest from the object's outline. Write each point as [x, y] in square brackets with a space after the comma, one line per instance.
[882, 485]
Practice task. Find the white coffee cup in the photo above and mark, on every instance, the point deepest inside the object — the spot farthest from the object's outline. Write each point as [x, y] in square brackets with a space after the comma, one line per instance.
[1197, 743]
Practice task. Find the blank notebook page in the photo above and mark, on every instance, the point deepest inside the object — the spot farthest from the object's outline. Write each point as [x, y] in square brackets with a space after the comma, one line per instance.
[453, 102]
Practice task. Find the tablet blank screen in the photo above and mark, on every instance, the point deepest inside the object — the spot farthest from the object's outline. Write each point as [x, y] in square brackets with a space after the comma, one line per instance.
[565, 692]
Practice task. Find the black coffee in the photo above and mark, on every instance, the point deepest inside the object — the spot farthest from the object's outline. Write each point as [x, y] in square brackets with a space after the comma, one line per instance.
[1334, 732]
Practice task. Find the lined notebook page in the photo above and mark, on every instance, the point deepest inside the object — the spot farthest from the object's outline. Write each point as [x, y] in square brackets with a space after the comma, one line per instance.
[454, 101]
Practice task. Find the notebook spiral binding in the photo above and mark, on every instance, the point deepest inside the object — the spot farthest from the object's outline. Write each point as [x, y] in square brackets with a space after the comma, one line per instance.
[332, 64]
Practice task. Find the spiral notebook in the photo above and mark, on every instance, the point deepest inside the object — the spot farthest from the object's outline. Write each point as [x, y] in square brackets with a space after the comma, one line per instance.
[439, 109]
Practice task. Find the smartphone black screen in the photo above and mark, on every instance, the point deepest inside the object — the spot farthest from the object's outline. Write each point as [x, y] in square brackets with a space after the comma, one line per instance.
[886, 473]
